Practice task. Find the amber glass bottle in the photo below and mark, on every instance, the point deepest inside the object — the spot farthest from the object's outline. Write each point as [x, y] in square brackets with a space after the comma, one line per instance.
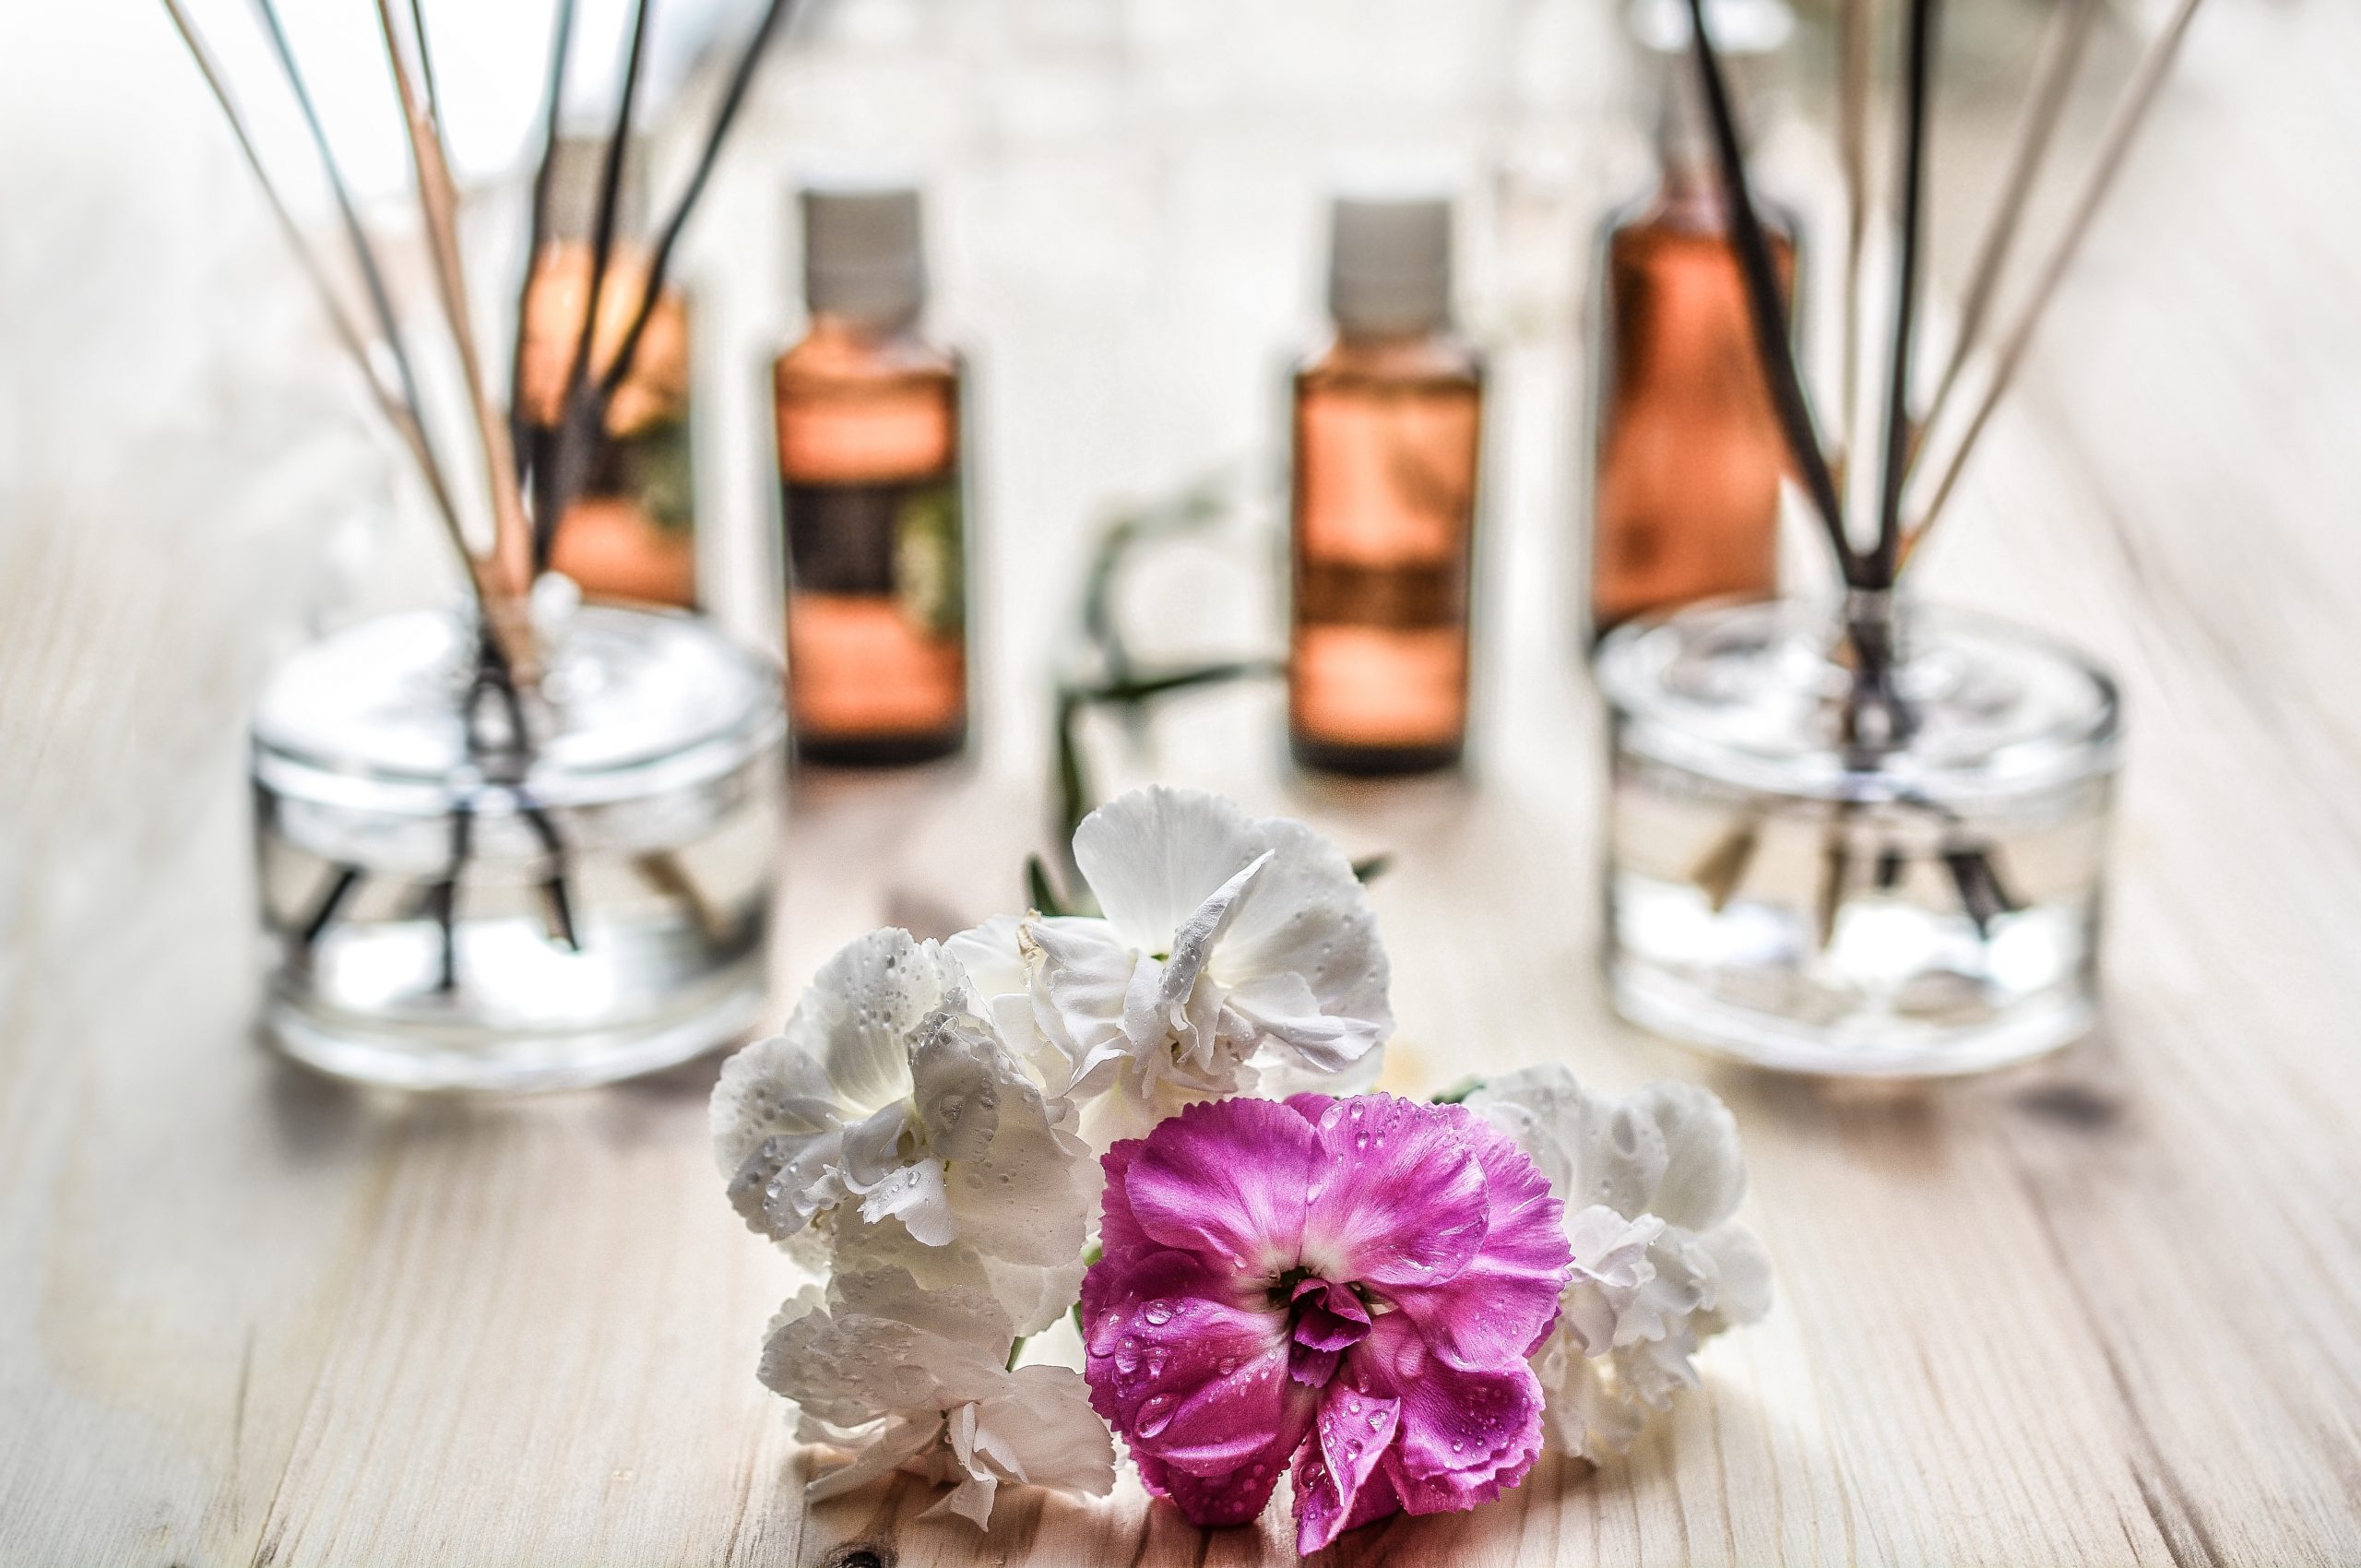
[1688, 458]
[869, 459]
[1386, 449]
[629, 533]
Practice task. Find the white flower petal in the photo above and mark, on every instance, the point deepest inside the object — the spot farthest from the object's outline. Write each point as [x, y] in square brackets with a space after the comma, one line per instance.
[1029, 1298]
[1650, 1181]
[887, 1451]
[1611, 1269]
[1042, 1432]
[1277, 1072]
[1017, 1187]
[914, 1195]
[872, 1147]
[1704, 1173]
[865, 1008]
[1082, 975]
[1611, 1153]
[1036, 1296]
[1284, 1010]
[957, 1074]
[1742, 1292]
[782, 1107]
[1309, 916]
[1156, 855]
[878, 1344]
[1193, 942]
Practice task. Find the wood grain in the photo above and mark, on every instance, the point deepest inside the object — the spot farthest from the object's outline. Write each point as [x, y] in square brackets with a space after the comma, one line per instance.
[2107, 1310]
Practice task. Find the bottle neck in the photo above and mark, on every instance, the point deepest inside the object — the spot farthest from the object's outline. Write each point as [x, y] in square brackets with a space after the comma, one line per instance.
[859, 327]
[1366, 337]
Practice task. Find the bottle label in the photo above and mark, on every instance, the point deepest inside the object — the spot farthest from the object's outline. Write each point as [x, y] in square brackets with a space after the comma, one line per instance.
[899, 539]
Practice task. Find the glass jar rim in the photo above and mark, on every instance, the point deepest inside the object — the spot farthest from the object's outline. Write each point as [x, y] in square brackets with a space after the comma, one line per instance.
[370, 716]
[1785, 648]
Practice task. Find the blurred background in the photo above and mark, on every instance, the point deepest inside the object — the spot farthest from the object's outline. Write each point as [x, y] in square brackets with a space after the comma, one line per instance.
[1125, 211]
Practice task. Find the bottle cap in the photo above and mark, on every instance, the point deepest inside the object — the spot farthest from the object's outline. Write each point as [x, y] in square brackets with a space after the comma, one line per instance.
[1389, 262]
[1747, 35]
[577, 174]
[861, 256]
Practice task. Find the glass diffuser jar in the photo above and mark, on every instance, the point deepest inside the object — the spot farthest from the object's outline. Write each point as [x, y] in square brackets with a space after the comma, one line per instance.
[1786, 891]
[442, 909]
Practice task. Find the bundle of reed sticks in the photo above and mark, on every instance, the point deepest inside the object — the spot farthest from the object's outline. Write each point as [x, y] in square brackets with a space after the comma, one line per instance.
[1923, 444]
[530, 482]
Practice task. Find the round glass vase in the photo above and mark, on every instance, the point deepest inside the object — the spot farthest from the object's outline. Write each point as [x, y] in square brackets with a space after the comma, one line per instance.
[442, 908]
[1806, 875]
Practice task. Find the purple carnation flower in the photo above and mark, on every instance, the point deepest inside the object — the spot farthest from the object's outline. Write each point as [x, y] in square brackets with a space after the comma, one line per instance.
[1351, 1286]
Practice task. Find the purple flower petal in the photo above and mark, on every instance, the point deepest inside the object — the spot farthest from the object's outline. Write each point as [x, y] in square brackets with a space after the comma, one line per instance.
[1180, 1361]
[1236, 1495]
[1328, 1316]
[1119, 1230]
[1402, 1199]
[1431, 1255]
[1352, 1437]
[1460, 1428]
[1502, 1305]
[1228, 1179]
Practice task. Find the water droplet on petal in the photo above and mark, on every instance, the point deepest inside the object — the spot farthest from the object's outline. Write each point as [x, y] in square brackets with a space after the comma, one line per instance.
[1158, 1313]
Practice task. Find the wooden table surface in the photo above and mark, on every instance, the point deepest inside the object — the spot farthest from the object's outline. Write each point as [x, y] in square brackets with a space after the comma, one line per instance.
[2105, 1310]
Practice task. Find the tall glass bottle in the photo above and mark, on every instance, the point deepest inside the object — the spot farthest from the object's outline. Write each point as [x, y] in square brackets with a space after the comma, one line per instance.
[628, 536]
[869, 465]
[1687, 456]
[1387, 423]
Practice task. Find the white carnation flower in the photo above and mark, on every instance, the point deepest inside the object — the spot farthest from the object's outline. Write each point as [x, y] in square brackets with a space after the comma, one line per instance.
[886, 1100]
[915, 1378]
[1222, 938]
[1650, 1181]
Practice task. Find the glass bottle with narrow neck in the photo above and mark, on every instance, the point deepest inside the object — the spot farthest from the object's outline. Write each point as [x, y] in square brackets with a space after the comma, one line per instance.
[869, 465]
[1687, 456]
[1386, 440]
[627, 533]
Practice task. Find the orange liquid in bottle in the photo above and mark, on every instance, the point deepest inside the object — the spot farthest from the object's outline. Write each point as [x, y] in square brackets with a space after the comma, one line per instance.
[1386, 439]
[1690, 455]
[628, 533]
[876, 622]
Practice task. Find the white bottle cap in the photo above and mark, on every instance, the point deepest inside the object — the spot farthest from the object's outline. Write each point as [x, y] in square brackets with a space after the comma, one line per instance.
[1747, 35]
[862, 255]
[578, 176]
[1389, 262]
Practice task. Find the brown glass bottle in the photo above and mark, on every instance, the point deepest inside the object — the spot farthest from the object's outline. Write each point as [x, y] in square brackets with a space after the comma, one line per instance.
[869, 460]
[1386, 440]
[628, 533]
[1689, 458]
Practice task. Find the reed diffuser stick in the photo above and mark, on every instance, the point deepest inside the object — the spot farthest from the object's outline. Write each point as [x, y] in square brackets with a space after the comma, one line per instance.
[1856, 36]
[579, 422]
[2045, 101]
[1918, 51]
[2130, 111]
[1774, 345]
[733, 98]
[536, 226]
[364, 254]
[400, 407]
[511, 557]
